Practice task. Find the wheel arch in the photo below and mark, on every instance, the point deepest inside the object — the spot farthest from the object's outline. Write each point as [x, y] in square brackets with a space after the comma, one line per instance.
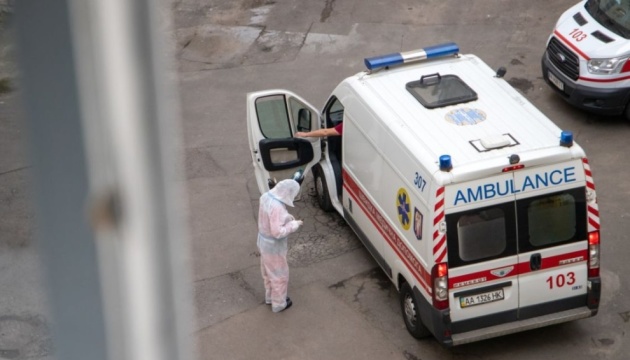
[403, 275]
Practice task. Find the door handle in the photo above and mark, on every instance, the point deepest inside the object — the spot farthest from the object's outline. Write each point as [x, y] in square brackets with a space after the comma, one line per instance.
[535, 261]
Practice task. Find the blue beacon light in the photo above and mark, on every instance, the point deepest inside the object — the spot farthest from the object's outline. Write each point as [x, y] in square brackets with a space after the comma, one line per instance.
[445, 163]
[566, 138]
[411, 56]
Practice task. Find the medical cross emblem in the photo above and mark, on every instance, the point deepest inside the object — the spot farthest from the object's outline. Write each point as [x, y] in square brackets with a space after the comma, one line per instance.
[403, 204]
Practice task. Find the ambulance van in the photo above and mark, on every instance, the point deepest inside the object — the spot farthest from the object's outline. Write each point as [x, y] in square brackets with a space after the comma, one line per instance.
[480, 210]
[587, 57]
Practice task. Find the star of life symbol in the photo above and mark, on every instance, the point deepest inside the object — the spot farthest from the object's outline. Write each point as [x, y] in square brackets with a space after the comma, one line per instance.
[404, 208]
[465, 116]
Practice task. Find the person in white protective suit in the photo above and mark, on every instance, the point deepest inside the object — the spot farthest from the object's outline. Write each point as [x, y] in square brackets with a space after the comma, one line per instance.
[274, 225]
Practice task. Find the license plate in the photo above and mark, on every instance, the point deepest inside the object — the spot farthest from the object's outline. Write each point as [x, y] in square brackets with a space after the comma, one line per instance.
[483, 298]
[554, 80]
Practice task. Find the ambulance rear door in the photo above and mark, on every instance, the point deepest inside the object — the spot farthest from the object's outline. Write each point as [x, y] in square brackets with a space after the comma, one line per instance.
[552, 233]
[273, 117]
[482, 253]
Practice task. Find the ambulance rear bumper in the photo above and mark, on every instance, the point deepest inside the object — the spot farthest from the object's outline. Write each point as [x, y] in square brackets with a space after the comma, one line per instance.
[522, 325]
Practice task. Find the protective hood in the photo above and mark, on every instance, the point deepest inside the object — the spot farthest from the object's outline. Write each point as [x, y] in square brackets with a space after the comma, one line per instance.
[285, 191]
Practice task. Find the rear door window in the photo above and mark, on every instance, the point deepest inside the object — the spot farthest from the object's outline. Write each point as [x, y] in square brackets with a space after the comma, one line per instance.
[552, 219]
[481, 234]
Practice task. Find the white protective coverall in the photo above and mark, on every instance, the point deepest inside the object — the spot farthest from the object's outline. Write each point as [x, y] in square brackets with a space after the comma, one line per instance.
[274, 225]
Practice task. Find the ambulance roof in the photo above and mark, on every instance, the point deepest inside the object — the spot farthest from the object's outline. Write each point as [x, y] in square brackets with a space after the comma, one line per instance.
[477, 134]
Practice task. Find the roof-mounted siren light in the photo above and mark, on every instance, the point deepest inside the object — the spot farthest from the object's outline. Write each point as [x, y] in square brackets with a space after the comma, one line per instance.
[445, 163]
[566, 138]
[446, 49]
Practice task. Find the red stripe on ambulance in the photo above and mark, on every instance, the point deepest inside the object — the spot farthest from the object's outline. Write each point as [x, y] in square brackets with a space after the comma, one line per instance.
[521, 269]
[439, 238]
[389, 234]
[555, 261]
[478, 277]
[592, 208]
[569, 44]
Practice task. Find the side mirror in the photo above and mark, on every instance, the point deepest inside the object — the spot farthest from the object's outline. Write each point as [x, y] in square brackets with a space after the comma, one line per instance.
[299, 153]
[304, 120]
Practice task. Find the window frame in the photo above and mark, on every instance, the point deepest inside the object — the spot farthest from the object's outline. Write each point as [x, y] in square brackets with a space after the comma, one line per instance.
[452, 220]
[426, 81]
[328, 121]
[286, 113]
[581, 233]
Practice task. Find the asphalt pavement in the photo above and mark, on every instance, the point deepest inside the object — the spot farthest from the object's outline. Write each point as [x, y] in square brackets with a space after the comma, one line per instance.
[229, 48]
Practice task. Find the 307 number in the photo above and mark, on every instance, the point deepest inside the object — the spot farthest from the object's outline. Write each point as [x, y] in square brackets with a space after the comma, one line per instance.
[561, 280]
[419, 182]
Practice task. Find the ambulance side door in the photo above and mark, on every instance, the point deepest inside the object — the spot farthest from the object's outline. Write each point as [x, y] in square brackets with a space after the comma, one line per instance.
[273, 118]
[553, 243]
[482, 253]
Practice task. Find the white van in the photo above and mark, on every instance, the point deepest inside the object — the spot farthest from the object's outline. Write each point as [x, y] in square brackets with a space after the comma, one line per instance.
[587, 54]
[480, 210]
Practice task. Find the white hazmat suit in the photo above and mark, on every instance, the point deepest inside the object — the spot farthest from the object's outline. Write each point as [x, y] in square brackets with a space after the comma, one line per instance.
[274, 225]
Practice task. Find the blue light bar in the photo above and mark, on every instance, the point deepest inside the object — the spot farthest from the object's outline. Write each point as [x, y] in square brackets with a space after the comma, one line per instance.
[445, 163]
[411, 56]
[566, 138]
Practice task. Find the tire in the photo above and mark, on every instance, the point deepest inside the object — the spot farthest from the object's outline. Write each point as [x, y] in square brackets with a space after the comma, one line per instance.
[411, 314]
[321, 189]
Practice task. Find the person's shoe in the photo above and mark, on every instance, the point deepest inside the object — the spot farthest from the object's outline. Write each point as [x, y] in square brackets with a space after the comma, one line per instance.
[268, 302]
[289, 303]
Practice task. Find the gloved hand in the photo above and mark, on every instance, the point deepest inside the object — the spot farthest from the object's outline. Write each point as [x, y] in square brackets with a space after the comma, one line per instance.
[295, 224]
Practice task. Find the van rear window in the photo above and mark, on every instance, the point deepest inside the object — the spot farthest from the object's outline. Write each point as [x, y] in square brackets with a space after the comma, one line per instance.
[551, 220]
[435, 90]
[481, 234]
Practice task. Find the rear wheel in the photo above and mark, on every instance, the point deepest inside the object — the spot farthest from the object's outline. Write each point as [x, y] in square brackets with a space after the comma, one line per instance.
[321, 189]
[411, 313]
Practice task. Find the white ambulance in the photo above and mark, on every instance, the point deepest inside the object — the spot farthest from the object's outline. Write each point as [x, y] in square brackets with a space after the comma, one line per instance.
[587, 54]
[479, 209]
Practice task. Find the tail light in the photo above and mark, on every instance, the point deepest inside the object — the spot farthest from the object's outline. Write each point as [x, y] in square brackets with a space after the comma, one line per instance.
[439, 278]
[593, 254]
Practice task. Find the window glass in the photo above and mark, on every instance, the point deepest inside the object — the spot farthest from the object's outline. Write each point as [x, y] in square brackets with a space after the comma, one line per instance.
[481, 234]
[435, 90]
[273, 117]
[295, 107]
[335, 113]
[552, 219]
[614, 15]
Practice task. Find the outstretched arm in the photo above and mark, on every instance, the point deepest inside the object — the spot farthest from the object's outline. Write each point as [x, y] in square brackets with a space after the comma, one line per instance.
[318, 133]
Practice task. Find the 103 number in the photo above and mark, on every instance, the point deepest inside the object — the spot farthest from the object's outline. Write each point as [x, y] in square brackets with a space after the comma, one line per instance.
[561, 280]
